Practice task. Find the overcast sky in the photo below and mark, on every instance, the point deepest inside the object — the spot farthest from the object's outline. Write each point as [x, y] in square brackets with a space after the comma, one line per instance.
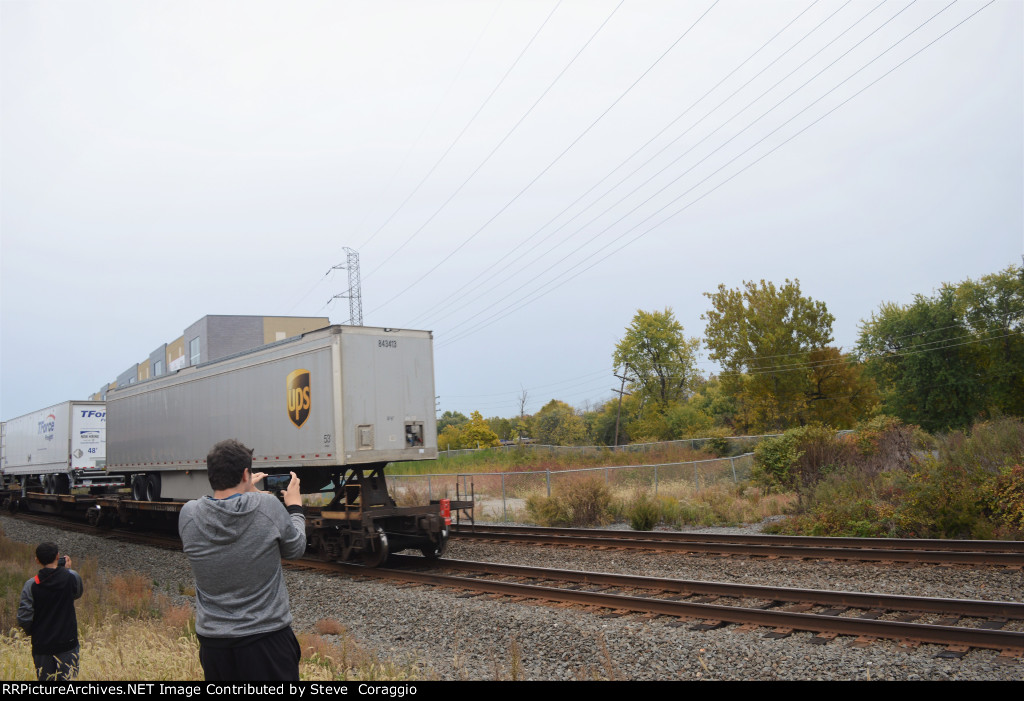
[519, 177]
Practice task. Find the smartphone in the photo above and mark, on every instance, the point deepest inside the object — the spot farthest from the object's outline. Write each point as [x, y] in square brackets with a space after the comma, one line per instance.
[276, 483]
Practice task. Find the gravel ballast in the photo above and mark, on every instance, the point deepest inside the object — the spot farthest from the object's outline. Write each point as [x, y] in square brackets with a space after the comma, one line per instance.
[480, 638]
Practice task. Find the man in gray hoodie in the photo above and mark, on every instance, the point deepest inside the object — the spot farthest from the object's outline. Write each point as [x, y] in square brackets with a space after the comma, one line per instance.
[235, 541]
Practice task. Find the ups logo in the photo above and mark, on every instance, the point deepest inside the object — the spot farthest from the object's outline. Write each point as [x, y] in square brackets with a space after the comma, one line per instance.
[298, 396]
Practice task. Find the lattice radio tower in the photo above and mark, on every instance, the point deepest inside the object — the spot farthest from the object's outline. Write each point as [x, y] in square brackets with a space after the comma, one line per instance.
[354, 293]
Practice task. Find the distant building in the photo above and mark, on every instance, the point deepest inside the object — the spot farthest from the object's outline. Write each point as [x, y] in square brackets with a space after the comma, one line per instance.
[211, 338]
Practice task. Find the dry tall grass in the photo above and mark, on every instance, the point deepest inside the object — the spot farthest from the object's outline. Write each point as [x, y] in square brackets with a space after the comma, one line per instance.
[128, 632]
[677, 504]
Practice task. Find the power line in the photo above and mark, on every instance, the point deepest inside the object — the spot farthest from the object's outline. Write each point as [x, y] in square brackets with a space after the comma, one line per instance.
[702, 160]
[810, 365]
[802, 366]
[524, 301]
[495, 149]
[532, 389]
[488, 270]
[556, 159]
[460, 134]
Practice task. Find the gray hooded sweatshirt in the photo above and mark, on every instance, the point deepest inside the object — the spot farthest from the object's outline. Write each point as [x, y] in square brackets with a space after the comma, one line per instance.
[235, 547]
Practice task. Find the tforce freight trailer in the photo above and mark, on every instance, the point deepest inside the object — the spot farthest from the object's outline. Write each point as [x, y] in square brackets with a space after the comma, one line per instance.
[58, 448]
[333, 405]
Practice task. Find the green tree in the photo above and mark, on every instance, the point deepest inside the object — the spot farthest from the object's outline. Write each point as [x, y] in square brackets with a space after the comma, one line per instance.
[993, 309]
[763, 337]
[943, 361]
[711, 399]
[450, 438]
[477, 434]
[522, 427]
[688, 420]
[601, 426]
[557, 423]
[839, 392]
[927, 374]
[503, 428]
[451, 418]
[660, 361]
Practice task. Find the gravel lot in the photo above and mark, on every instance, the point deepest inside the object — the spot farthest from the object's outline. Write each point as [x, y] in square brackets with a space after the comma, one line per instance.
[479, 638]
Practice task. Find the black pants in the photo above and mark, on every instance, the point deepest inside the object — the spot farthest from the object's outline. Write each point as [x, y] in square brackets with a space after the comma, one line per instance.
[61, 667]
[274, 657]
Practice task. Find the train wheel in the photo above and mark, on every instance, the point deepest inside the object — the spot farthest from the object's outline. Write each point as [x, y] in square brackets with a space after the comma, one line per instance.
[153, 486]
[432, 551]
[326, 543]
[376, 558]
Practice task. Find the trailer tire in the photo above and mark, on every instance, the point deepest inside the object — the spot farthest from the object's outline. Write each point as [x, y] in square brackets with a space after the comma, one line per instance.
[153, 486]
[139, 487]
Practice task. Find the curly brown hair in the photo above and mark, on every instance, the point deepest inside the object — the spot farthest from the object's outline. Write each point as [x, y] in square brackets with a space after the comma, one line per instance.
[226, 463]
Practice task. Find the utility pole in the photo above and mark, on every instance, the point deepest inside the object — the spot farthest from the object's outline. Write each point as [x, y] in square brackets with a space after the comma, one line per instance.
[621, 391]
[354, 293]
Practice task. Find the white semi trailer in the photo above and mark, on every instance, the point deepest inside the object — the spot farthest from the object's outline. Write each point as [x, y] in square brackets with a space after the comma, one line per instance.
[333, 405]
[58, 448]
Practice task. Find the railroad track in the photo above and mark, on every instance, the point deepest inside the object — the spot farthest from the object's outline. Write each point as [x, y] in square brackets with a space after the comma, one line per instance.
[961, 552]
[128, 535]
[958, 624]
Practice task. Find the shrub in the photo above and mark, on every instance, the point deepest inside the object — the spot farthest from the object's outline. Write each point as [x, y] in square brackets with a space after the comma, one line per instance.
[718, 443]
[990, 445]
[775, 460]
[1005, 497]
[943, 501]
[588, 501]
[800, 457]
[643, 512]
[579, 503]
[547, 511]
[884, 443]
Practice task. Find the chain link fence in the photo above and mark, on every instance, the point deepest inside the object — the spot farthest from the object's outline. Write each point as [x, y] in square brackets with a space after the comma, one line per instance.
[501, 496]
[728, 444]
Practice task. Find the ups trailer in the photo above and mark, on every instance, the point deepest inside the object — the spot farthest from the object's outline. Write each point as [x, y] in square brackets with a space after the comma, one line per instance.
[334, 406]
[57, 449]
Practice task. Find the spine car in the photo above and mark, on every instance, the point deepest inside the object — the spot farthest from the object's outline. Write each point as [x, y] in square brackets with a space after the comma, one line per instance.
[334, 405]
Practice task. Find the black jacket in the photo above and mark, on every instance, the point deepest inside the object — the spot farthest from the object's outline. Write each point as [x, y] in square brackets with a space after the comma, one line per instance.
[47, 610]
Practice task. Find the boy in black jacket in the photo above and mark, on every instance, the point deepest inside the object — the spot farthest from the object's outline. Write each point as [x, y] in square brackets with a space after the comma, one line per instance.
[47, 613]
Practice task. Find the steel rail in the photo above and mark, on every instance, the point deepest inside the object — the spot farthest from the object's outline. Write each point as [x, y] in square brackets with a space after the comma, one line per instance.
[893, 602]
[1011, 642]
[932, 544]
[155, 539]
[949, 557]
